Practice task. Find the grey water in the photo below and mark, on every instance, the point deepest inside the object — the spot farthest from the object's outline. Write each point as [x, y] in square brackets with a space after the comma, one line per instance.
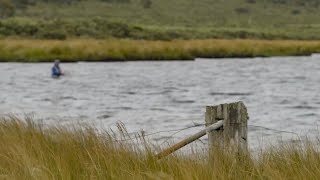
[280, 93]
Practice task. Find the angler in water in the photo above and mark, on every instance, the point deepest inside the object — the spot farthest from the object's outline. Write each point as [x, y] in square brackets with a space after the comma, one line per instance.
[56, 70]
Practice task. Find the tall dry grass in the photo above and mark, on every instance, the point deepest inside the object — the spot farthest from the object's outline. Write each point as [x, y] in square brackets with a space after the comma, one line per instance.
[13, 50]
[31, 151]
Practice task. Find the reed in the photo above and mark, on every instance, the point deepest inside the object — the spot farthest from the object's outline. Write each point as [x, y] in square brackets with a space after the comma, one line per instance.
[72, 50]
[32, 151]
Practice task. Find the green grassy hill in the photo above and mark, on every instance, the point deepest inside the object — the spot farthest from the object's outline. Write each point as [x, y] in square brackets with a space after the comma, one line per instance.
[293, 19]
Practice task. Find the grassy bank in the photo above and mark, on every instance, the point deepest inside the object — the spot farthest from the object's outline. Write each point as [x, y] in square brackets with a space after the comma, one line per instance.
[29, 151]
[12, 50]
[101, 28]
[161, 19]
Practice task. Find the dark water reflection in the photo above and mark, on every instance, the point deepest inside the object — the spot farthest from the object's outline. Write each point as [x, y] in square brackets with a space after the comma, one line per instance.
[281, 93]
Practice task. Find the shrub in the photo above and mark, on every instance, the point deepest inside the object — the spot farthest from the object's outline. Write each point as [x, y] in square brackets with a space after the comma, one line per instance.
[295, 12]
[251, 1]
[242, 10]
[7, 8]
[116, 1]
[146, 3]
[280, 1]
[54, 34]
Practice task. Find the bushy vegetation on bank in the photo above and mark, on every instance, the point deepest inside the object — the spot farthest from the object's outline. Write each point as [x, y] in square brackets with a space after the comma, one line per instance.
[100, 28]
[160, 19]
[12, 50]
[31, 151]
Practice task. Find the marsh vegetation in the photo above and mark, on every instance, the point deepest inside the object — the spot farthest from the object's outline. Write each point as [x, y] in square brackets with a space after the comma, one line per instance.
[32, 151]
[12, 50]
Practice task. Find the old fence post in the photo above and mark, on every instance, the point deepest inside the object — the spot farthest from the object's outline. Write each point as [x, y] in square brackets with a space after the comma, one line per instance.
[234, 131]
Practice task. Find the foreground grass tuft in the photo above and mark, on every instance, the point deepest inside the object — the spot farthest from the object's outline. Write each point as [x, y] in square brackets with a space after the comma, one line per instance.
[12, 50]
[30, 151]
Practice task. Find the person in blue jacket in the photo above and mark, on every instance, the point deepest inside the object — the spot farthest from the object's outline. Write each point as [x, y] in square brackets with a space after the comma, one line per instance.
[56, 70]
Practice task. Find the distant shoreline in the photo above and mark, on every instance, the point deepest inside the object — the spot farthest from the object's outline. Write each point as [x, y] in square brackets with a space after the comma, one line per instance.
[123, 50]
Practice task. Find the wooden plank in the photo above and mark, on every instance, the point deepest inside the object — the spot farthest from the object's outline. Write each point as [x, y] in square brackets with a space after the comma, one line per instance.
[190, 139]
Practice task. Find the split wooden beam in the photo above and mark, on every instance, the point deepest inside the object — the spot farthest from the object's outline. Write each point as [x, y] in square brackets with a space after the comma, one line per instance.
[190, 139]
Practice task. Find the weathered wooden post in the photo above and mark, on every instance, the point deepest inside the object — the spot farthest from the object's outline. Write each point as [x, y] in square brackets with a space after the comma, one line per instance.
[226, 128]
[233, 134]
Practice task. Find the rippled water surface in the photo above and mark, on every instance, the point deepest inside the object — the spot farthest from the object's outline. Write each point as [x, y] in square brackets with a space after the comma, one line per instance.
[280, 93]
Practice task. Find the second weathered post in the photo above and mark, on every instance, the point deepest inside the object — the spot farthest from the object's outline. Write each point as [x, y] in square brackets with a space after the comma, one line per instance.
[234, 131]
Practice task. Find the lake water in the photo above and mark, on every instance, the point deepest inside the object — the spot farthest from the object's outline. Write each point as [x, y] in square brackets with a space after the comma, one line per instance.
[280, 93]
